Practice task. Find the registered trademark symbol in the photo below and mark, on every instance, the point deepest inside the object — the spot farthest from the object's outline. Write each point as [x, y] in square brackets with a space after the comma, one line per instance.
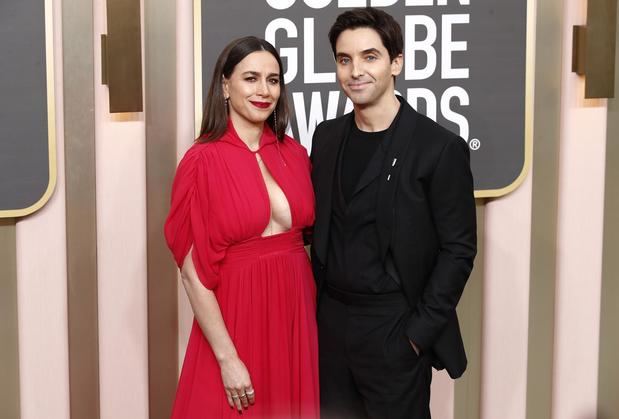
[474, 144]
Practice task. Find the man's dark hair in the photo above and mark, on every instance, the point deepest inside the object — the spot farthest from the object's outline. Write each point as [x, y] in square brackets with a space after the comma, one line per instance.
[383, 23]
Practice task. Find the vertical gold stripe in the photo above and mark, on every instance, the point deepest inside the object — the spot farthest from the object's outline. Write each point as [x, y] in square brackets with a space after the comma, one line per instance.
[608, 380]
[79, 128]
[467, 392]
[9, 346]
[546, 133]
[160, 77]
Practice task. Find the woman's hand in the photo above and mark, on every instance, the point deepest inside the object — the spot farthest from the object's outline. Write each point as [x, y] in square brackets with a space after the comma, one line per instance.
[234, 374]
[237, 383]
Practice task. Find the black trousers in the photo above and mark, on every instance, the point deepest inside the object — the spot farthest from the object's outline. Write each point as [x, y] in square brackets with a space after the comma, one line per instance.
[368, 369]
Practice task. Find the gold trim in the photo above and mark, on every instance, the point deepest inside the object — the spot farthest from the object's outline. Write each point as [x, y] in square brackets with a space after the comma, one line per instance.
[529, 109]
[608, 369]
[467, 389]
[161, 150]
[122, 57]
[544, 207]
[9, 329]
[197, 64]
[78, 41]
[51, 119]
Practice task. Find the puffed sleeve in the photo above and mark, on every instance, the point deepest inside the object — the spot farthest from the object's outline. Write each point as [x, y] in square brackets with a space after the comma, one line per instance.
[187, 224]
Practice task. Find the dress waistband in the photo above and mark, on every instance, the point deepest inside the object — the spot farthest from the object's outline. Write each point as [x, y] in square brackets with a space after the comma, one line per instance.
[259, 247]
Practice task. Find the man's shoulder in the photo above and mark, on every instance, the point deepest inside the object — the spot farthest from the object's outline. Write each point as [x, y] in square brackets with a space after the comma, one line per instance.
[327, 131]
[429, 127]
[329, 124]
[429, 134]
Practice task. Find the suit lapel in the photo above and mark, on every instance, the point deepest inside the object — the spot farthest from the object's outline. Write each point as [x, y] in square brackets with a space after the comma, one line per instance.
[324, 169]
[372, 171]
[401, 138]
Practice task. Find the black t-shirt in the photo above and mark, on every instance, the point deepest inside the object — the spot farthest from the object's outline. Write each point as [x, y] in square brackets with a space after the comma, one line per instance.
[353, 257]
[360, 147]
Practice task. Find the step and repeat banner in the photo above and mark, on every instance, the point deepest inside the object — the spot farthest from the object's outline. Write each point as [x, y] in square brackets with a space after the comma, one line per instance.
[27, 146]
[465, 66]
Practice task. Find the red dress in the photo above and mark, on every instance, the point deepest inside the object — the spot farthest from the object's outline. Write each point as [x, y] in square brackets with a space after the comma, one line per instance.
[264, 285]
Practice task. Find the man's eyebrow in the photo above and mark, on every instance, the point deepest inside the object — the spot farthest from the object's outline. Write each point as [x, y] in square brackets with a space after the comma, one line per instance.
[371, 51]
[364, 52]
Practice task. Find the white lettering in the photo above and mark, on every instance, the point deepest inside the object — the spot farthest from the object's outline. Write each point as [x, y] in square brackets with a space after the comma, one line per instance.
[309, 76]
[280, 4]
[462, 2]
[413, 95]
[431, 2]
[419, 2]
[351, 3]
[290, 54]
[383, 3]
[305, 125]
[412, 46]
[456, 118]
[348, 108]
[317, 4]
[449, 46]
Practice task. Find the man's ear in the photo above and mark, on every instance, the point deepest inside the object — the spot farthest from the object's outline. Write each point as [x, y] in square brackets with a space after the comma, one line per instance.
[396, 65]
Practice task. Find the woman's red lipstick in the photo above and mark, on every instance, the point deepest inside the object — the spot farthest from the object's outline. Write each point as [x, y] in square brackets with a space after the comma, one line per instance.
[262, 105]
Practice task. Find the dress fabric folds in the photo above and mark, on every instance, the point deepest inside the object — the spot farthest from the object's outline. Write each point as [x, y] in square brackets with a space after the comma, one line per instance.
[264, 285]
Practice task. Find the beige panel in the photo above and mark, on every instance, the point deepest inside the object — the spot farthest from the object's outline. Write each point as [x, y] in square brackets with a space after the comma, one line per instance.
[42, 276]
[442, 395]
[579, 233]
[160, 94]
[121, 250]
[468, 387]
[608, 382]
[506, 304]
[9, 345]
[544, 207]
[78, 56]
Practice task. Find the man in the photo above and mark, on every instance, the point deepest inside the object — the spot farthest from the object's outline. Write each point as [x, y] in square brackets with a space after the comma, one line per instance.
[394, 238]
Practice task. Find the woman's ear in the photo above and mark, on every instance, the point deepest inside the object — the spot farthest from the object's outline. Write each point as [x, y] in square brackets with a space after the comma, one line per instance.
[224, 87]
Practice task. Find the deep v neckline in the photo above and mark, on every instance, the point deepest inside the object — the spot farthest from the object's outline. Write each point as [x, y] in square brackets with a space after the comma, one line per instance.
[267, 140]
[267, 197]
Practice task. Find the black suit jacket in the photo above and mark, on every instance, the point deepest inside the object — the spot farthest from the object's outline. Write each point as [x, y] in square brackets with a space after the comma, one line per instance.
[425, 220]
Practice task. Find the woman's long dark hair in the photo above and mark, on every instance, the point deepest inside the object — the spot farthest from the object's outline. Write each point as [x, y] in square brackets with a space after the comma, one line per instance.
[215, 119]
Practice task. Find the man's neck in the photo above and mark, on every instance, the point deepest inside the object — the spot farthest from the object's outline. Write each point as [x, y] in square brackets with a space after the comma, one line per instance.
[378, 116]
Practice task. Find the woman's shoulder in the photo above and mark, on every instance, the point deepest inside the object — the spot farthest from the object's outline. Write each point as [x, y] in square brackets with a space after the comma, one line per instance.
[198, 150]
[294, 145]
[195, 158]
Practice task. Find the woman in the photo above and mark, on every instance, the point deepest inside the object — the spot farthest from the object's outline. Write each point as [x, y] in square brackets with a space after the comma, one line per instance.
[241, 197]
